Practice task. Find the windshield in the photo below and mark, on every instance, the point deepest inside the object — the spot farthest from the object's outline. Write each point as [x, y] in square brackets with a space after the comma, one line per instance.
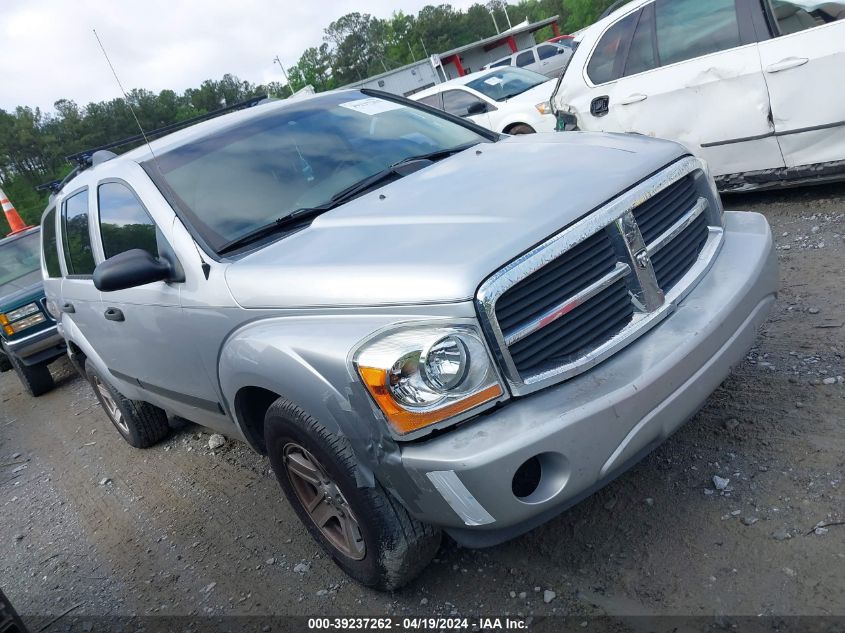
[19, 257]
[249, 174]
[505, 83]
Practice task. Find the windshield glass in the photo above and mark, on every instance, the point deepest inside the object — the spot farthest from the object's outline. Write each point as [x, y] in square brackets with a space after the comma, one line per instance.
[505, 83]
[249, 174]
[19, 257]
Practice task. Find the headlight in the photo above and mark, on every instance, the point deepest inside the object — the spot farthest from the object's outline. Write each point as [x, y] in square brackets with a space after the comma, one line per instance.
[544, 108]
[422, 375]
[23, 324]
[19, 313]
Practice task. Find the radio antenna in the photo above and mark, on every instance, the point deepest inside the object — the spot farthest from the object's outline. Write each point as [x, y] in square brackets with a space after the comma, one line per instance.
[125, 96]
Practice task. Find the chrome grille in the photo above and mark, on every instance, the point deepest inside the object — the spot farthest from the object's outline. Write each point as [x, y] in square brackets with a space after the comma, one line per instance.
[586, 292]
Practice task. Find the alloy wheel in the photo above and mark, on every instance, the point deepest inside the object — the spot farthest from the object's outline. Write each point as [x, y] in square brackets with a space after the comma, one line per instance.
[322, 499]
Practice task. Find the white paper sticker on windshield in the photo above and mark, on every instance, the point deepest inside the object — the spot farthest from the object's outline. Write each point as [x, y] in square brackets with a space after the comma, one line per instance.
[493, 81]
[371, 106]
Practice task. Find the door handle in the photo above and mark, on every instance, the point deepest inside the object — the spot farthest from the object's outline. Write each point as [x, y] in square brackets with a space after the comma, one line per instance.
[113, 314]
[787, 64]
[600, 106]
[634, 98]
[68, 308]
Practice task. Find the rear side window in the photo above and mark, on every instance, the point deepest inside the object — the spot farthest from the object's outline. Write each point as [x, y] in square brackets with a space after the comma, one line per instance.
[525, 59]
[643, 56]
[49, 245]
[77, 240]
[607, 61]
[124, 222]
[691, 28]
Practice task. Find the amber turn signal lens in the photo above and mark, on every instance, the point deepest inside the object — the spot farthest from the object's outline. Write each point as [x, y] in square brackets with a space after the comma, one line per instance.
[405, 421]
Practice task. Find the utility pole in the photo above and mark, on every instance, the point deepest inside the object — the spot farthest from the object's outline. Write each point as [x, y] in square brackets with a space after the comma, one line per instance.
[493, 15]
[505, 9]
[424, 49]
[284, 72]
[414, 57]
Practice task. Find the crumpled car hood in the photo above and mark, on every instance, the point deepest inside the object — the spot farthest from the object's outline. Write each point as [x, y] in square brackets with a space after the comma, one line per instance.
[435, 235]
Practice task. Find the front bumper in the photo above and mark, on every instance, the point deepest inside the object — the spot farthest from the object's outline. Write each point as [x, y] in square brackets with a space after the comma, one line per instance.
[588, 430]
[38, 347]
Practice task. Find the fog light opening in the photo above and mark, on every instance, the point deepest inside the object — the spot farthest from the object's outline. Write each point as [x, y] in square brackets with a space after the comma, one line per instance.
[540, 478]
[527, 478]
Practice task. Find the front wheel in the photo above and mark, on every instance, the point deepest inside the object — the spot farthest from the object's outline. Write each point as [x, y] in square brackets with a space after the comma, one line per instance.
[367, 532]
[36, 379]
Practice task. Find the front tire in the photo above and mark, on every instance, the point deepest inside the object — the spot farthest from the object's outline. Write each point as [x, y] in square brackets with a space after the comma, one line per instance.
[367, 532]
[139, 423]
[36, 379]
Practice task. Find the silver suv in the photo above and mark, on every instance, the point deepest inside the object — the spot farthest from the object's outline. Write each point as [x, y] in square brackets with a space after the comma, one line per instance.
[425, 325]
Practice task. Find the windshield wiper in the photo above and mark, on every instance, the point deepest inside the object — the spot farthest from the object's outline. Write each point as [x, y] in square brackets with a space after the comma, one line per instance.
[397, 170]
[279, 225]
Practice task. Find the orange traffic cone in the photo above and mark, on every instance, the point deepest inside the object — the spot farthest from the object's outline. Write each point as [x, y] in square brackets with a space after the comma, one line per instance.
[15, 223]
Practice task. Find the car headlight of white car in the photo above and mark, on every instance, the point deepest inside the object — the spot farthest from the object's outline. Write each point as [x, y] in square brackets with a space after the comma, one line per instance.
[423, 375]
[544, 108]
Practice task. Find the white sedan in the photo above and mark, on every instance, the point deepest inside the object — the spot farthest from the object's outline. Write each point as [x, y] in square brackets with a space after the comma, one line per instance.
[752, 86]
[509, 100]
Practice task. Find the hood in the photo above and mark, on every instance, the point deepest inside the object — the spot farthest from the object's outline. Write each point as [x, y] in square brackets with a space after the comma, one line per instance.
[435, 235]
[21, 291]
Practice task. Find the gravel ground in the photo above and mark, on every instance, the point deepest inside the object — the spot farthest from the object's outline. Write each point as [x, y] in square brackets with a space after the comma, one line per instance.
[91, 524]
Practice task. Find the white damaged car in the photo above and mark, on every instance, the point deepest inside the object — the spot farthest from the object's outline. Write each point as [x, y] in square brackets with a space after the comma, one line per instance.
[507, 100]
[752, 86]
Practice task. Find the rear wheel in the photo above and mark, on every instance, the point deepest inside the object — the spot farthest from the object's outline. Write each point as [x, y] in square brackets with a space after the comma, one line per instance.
[36, 379]
[366, 531]
[140, 423]
[521, 128]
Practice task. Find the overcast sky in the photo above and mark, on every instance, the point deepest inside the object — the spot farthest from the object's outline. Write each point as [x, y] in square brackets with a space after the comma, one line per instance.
[49, 51]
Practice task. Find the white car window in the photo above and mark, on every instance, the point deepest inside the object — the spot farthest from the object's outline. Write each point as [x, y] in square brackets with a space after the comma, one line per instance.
[800, 15]
[608, 57]
[459, 102]
[547, 50]
[525, 59]
[432, 100]
[642, 55]
[502, 62]
[691, 28]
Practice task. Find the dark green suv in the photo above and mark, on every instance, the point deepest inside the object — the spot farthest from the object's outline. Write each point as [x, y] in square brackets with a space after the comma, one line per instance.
[29, 339]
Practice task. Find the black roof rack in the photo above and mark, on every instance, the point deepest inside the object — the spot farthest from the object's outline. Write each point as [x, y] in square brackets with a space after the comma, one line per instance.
[83, 158]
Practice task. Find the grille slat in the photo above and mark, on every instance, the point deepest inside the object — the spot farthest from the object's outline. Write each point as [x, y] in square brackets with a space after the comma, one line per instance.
[658, 213]
[676, 258]
[569, 274]
[564, 341]
[585, 328]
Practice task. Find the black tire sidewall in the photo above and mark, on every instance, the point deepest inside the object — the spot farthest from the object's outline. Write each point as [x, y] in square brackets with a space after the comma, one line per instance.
[281, 429]
[132, 437]
[36, 379]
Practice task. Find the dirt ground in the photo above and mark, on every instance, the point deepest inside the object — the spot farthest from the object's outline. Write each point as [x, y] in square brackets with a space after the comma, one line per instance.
[88, 523]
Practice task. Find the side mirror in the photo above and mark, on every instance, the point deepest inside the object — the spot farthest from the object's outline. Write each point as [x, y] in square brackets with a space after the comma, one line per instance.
[129, 269]
[476, 107]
